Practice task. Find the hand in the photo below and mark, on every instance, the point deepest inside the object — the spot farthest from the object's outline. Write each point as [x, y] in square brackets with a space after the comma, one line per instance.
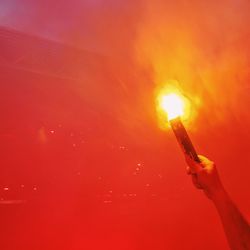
[204, 176]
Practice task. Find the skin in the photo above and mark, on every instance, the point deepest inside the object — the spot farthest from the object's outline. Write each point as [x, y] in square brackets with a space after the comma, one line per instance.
[206, 178]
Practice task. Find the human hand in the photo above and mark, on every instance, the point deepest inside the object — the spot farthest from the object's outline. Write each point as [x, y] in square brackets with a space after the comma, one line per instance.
[204, 175]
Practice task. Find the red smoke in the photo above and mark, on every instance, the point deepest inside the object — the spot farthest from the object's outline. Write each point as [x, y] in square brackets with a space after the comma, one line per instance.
[84, 131]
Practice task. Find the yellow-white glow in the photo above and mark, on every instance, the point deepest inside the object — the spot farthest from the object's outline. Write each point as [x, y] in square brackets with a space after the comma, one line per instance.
[173, 105]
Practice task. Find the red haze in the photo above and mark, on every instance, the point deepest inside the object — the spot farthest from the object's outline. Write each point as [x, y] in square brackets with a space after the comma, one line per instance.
[80, 141]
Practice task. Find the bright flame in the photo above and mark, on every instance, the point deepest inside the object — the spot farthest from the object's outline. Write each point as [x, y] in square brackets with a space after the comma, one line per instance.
[173, 105]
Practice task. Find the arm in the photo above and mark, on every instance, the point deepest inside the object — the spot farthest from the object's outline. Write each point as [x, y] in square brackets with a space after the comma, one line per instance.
[205, 177]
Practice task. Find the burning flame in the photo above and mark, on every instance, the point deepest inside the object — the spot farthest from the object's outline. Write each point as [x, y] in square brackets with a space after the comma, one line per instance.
[173, 105]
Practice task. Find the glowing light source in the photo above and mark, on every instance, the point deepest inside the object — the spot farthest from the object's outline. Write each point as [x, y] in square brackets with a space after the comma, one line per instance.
[176, 105]
[173, 105]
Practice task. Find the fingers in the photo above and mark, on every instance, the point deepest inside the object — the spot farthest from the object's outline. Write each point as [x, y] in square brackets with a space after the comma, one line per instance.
[203, 158]
[205, 161]
[207, 164]
[194, 166]
[195, 182]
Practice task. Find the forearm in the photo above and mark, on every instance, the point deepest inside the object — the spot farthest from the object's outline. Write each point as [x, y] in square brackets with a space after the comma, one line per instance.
[236, 227]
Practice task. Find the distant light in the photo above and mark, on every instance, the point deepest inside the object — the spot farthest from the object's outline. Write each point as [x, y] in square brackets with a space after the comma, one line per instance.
[107, 201]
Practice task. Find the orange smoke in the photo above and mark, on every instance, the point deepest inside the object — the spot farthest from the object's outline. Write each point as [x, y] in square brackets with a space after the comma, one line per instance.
[204, 47]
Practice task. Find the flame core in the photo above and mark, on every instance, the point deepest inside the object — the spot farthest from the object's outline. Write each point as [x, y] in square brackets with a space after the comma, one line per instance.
[173, 105]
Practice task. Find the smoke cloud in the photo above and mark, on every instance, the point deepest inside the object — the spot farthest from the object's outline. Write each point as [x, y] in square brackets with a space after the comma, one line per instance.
[201, 44]
[204, 46]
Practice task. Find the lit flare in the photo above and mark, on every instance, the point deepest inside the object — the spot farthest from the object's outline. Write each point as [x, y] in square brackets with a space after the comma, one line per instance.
[173, 105]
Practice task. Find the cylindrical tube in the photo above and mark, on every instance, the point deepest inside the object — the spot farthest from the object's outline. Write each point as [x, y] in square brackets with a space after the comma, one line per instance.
[183, 138]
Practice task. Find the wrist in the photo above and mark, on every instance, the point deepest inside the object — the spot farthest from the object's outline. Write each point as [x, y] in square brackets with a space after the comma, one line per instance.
[218, 195]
